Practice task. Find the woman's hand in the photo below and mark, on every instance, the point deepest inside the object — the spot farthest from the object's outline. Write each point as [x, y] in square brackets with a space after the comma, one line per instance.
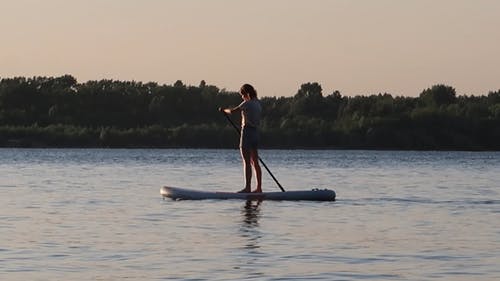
[225, 110]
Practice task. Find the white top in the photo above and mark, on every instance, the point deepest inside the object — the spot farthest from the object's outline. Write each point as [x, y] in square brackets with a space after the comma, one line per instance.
[250, 113]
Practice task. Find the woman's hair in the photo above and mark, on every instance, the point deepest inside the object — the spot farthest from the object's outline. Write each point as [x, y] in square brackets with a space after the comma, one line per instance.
[248, 89]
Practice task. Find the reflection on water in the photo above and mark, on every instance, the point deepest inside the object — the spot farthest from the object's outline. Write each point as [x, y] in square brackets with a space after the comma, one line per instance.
[250, 227]
[251, 213]
[250, 255]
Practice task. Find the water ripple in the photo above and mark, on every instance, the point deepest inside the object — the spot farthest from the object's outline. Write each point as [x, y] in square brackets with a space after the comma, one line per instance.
[81, 214]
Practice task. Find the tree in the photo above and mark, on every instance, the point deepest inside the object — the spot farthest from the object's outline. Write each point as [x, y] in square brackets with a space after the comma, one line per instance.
[308, 100]
[178, 84]
[59, 111]
[309, 90]
[438, 95]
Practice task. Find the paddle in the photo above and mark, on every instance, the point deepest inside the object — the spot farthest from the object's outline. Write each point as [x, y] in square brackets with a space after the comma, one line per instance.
[260, 160]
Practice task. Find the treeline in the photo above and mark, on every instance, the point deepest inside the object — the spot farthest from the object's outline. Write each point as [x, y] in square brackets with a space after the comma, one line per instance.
[60, 112]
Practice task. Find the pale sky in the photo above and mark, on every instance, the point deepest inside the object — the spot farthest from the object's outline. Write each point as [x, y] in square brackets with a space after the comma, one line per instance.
[355, 46]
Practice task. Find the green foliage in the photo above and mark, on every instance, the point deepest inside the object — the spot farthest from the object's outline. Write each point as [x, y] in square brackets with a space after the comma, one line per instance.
[60, 112]
[438, 95]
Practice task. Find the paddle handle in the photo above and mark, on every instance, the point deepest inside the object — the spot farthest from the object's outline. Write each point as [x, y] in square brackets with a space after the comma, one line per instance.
[260, 160]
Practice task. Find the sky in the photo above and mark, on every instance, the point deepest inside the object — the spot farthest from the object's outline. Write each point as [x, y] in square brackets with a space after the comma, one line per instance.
[358, 47]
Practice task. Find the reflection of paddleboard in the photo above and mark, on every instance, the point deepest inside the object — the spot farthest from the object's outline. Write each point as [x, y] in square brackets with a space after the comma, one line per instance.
[189, 194]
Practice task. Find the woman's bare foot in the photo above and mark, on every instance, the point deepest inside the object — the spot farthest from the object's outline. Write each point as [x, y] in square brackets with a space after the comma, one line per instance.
[257, 190]
[244, 190]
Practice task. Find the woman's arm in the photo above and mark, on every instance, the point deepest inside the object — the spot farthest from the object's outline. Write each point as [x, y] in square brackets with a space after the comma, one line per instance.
[230, 110]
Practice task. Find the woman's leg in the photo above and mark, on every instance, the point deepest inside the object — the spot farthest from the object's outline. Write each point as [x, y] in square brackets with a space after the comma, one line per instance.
[247, 169]
[254, 156]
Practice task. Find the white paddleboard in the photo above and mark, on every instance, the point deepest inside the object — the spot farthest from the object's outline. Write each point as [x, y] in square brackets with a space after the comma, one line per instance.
[177, 193]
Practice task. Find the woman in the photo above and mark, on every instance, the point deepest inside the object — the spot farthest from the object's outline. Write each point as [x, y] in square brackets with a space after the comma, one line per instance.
[250, 118]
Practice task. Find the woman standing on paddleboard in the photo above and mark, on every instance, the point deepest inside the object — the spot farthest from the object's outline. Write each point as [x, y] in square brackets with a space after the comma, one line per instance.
[250, 119]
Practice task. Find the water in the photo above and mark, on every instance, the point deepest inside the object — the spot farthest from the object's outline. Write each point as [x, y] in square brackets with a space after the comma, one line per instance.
[70, 214]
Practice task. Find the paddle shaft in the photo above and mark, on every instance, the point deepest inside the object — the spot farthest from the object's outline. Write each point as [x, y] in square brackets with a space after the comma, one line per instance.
[260, 160]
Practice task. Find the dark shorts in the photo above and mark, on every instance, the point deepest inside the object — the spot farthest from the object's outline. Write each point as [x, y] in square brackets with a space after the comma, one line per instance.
[249, 138]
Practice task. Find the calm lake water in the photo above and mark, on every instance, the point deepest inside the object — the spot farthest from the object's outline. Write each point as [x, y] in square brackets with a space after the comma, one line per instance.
[97, 214]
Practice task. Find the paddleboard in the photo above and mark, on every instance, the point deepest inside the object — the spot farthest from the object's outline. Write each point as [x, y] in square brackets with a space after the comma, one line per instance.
[178, 193]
